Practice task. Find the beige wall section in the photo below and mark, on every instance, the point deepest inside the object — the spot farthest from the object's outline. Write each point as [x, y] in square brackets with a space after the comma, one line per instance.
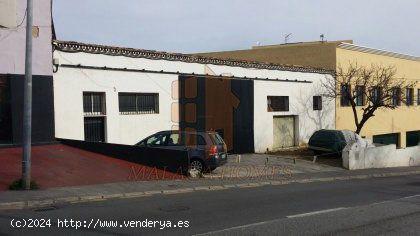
[316, 55]
[385, 121]
[328, 55]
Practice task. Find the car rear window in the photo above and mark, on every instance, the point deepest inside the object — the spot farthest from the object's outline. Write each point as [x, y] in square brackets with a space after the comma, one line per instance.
[195, 139]
[216, 139]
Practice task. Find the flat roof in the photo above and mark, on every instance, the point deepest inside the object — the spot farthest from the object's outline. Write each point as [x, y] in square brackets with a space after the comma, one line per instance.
[353, 47]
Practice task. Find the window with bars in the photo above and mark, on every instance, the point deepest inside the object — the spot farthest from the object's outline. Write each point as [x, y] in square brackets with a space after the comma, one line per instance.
[409, 96]
[345, 95]
[360, 95]
[94, 103]
[317, 103]
[418, 97]
[396, 97]
[376, 94]
[138, 103]
[278, 103]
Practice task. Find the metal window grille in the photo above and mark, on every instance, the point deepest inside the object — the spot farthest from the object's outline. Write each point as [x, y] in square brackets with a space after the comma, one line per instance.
[418, 97]
[94, 103]
[345, 95]
[317, 103]
[360, 95]
[396, 97]
[410, 96]
[376, 95]
[278, 103]
[138, 103]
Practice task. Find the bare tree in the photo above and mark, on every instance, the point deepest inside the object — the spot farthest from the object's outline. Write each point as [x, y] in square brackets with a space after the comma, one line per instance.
[367, 89]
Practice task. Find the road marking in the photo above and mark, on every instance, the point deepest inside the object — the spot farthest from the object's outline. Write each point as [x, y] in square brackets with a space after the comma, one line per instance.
[413, 196]
[394, 200]
[316, 212]
[300, 215]
[270, 221]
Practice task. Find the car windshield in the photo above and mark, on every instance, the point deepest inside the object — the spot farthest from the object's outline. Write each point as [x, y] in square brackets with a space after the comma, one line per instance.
[157, 140]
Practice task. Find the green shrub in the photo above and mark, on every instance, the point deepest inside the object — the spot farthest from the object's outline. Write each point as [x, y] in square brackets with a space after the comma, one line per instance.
[18, 185]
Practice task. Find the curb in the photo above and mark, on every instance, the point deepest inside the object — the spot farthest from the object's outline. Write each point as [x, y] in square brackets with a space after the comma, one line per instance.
[102, 197]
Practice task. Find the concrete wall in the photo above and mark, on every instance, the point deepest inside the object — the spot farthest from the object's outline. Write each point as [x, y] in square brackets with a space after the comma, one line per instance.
[69, 83]
[380, 157]
[12, 41]
[402, 119]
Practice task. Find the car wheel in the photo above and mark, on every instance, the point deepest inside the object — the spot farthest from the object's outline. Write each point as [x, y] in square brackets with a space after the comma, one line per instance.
[197, 164]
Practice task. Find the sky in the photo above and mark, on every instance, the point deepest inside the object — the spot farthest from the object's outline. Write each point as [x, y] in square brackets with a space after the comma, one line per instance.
[189, 26]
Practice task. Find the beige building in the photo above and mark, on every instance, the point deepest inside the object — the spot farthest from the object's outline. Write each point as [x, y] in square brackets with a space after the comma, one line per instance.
[400, 126]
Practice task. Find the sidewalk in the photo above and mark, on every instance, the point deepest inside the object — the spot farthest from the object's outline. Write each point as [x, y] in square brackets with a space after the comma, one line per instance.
[57, 196]
[251, 165]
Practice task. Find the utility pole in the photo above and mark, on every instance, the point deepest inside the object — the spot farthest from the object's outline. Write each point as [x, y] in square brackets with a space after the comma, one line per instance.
[27, 101]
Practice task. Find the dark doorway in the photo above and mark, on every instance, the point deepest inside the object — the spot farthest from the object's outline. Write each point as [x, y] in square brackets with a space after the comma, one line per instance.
[95, 129]
[5, 112]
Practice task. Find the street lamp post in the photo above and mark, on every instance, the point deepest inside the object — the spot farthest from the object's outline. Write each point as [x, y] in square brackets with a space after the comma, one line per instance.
[27, 100]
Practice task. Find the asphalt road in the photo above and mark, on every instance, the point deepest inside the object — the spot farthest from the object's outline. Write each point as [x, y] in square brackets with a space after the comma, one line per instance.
[370, 206]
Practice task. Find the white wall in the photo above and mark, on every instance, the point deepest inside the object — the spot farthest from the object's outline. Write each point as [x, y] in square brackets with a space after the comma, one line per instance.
[69, 85]
[12, 41]
[356, 157]
[300, 105]
[300, 95]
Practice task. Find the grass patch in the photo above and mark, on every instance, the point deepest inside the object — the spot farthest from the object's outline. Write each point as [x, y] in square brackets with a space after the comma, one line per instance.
[18, 185]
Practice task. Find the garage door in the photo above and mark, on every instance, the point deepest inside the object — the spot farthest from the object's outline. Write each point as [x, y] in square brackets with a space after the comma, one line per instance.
[387, 139]
[413, 138]
[283, 131]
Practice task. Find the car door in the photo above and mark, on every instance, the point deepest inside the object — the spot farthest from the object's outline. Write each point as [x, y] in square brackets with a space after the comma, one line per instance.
[166, 150]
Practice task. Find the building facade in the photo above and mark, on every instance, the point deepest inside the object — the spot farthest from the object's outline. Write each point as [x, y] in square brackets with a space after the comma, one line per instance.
[400, 126]
[12, 70]
[122, 95]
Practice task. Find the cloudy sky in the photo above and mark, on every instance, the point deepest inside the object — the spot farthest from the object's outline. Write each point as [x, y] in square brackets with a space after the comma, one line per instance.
[215, 25]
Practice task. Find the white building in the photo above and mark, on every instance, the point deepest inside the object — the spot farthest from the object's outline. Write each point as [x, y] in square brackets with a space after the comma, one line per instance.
[122, 95]
[12, 71]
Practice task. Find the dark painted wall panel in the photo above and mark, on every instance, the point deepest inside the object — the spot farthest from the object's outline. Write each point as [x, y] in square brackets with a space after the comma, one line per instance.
[5, 111]
[243, 125]
[42, 108]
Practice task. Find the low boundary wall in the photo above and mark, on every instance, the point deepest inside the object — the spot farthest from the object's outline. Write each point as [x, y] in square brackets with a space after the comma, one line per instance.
[357, 157]
[162, 158]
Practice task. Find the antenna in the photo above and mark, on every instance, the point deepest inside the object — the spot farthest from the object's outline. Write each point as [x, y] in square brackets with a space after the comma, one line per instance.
[286, 38]
[322, 37]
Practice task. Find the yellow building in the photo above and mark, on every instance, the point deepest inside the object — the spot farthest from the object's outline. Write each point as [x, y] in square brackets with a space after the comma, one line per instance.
[400, 126]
